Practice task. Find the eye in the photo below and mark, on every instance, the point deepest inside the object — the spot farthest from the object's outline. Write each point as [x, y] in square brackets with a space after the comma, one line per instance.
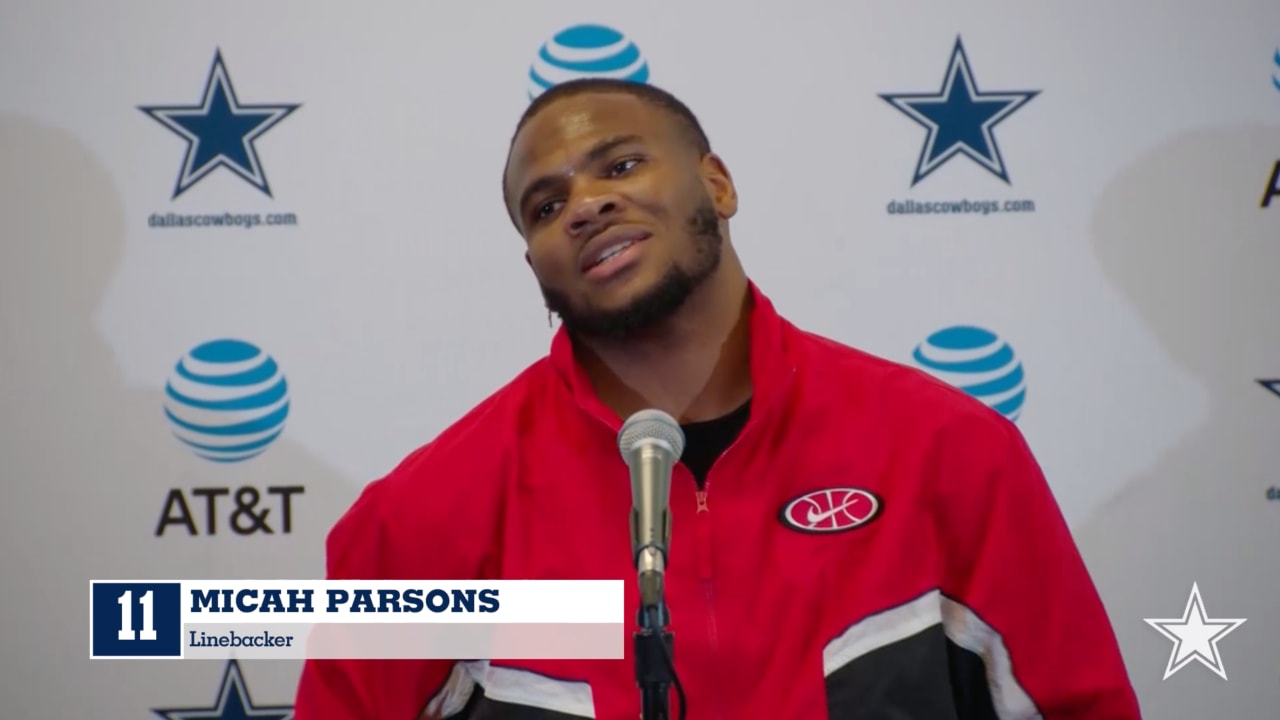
[622, 166]
[543, 210]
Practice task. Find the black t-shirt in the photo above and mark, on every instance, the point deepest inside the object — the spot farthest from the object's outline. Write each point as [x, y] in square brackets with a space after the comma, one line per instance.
[707, 440]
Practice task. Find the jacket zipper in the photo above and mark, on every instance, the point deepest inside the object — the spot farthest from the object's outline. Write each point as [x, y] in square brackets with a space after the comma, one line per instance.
[706, 567]
[702, 523]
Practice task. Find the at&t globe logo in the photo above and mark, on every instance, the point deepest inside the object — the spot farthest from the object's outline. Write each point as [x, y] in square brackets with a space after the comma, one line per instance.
[227, 400]
[1275, 79]
[586, 51]
[978, 362]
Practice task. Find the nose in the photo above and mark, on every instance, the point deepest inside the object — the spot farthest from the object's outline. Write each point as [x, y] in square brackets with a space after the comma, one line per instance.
[591, 211]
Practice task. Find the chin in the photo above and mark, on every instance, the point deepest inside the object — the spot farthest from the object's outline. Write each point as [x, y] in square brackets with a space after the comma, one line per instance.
[620, 292]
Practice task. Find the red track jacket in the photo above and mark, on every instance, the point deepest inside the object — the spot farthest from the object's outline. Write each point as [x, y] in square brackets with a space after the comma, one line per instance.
[875, 544]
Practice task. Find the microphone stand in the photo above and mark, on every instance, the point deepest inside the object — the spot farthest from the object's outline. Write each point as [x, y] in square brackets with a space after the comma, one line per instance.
[651, 442]
[654, 661]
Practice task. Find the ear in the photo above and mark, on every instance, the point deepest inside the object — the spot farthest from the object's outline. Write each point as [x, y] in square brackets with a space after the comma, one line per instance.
[715, 175]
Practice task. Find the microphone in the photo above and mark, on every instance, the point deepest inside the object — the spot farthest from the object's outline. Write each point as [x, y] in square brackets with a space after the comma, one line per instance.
[651, 442]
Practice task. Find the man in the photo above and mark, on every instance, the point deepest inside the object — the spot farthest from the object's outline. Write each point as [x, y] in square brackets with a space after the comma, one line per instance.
[851, 538]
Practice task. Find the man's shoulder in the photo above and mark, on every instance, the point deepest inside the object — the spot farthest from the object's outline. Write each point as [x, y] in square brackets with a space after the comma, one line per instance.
[467, 455]
[916, 413]
[435, 513]
[892, 390]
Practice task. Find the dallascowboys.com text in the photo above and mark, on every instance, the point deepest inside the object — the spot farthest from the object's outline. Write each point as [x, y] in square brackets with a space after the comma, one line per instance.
[246, 221]
[959, 207]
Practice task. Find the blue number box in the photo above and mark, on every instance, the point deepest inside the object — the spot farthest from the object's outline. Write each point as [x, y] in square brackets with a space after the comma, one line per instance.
[139, 620]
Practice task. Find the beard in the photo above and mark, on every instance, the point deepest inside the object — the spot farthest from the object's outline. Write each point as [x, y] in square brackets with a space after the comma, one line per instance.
[658, 303]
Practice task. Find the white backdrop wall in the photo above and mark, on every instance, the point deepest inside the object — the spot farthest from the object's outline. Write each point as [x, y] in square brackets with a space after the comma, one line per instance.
[1135, 293]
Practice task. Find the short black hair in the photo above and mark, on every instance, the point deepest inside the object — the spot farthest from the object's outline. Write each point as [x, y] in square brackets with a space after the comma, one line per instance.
[648, 93]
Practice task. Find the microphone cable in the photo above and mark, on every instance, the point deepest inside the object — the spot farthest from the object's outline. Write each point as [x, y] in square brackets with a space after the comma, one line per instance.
[655, 621]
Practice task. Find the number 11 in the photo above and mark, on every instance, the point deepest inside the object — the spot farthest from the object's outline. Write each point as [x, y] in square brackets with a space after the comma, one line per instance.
[126, 617]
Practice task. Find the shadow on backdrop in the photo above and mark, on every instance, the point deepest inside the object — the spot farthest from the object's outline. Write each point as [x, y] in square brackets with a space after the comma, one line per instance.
[1182, 237]
[86, 463]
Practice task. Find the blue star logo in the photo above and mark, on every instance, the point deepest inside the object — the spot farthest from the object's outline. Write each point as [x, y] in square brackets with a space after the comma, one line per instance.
[960, 118]
[1273, 385]
[1275, 79]
[220, 131]
[232, 703]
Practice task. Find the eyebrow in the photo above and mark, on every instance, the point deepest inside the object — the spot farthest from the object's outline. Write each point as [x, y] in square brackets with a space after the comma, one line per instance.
[597, 152]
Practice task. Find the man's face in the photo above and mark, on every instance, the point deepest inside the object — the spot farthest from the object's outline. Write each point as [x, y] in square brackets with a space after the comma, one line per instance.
[619, 213]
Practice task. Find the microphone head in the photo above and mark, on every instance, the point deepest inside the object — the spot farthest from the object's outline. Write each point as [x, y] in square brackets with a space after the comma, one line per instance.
[650, 425]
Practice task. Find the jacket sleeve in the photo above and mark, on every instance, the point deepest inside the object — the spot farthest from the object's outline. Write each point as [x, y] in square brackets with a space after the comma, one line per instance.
[1017, 593]
[365, 545]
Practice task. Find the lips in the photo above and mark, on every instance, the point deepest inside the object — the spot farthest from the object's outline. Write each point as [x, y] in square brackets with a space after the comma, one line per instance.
[609, 243]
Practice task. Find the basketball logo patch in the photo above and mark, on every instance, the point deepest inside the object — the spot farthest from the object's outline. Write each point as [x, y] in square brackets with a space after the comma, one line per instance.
[831, 510]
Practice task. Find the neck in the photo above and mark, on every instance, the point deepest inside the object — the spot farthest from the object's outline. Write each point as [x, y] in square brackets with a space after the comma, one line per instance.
[695, 367]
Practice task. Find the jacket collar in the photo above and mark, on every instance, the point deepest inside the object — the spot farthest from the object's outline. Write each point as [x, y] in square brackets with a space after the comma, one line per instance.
[772, 360]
